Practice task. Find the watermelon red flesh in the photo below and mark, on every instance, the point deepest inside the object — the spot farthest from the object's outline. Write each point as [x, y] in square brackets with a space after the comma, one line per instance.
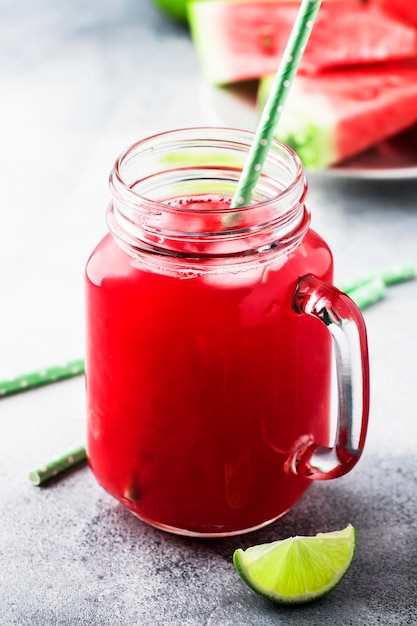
[403, 9]
[337, 114]
[242, 40]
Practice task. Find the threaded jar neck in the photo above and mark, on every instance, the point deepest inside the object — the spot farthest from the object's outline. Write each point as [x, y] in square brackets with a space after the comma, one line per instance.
[171, 197]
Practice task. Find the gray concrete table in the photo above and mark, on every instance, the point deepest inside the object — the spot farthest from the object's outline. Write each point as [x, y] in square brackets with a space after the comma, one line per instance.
[79, 82]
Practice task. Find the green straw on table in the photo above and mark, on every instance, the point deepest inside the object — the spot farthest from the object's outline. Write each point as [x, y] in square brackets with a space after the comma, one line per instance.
[274, 106]
[389, 276]
[368, 292]
[58, 465]
[41, 377]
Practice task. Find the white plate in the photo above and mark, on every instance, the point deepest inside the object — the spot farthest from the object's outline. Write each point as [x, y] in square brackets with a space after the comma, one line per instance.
[394, 158]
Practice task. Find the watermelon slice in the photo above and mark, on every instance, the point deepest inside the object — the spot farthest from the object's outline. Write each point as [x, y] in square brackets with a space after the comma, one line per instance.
[403, 9]
[239, 40]
[337, 114]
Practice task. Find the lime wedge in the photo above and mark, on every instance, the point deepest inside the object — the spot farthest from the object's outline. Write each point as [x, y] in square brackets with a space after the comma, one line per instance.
[297, 569]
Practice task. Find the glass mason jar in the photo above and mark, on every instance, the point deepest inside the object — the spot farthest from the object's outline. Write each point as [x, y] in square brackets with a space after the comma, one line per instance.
[209, 340]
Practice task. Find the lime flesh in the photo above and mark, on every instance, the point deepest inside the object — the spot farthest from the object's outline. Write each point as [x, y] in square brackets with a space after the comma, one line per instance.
[176, 9]
[297, 569]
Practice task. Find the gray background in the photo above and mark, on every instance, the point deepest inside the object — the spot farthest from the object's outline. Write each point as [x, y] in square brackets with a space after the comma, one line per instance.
[79, 82]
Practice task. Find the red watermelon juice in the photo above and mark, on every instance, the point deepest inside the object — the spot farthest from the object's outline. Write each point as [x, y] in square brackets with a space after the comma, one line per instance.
[201, 375]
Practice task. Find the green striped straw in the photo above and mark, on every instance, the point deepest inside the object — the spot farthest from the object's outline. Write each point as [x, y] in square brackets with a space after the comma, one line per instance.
[367, 289]
[274, 106]
[58, 465]
[369, 292]
[390, 276]
[41, 377]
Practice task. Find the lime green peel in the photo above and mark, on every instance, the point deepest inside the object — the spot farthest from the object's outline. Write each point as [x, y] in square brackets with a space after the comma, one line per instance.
[297, 569]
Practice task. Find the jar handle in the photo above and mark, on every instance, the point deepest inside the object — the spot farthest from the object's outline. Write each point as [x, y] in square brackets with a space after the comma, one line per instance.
[345, 323]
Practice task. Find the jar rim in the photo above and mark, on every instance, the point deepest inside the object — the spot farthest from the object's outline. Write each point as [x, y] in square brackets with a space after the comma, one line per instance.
[204, 134]
[172, 191]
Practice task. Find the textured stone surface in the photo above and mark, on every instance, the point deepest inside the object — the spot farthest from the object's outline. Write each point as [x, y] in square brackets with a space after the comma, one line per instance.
[79, 83]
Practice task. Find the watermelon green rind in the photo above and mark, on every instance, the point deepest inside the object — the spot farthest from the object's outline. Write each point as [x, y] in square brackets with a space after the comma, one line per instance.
[203, 23]
[310, 140]
[203, 159]
[337, 114]
[308, 130]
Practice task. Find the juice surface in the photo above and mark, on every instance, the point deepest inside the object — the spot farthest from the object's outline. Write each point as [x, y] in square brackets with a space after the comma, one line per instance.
[198, 387]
